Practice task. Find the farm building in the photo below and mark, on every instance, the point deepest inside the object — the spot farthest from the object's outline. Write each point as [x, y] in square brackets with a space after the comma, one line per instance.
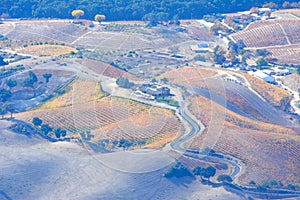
[155, 90]
[264, 76]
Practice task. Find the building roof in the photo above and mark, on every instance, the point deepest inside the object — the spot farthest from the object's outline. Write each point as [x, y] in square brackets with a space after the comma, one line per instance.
[263, 76]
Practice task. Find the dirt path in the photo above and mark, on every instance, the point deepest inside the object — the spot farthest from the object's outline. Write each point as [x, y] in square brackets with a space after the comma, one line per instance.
[79, 38]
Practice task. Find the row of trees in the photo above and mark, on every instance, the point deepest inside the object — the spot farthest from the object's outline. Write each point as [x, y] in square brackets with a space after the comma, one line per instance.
[79, 13]
[179, 170]
[46, 129]
[129, 9]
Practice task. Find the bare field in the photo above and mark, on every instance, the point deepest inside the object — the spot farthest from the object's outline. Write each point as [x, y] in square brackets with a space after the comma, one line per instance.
[292, 81]
[35, 169]
[62, 31]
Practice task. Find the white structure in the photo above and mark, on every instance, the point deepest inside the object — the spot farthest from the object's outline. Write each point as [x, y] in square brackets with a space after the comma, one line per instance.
[200, 48]
[264, 76]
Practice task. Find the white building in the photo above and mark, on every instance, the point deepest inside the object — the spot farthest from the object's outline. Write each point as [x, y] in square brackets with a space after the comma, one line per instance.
[264, 76]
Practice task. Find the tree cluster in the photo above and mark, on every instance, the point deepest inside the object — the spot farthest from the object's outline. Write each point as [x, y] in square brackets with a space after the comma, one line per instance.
[204, 172]
[46, 129]
[177, 170]
[124, 83]
[129, 9]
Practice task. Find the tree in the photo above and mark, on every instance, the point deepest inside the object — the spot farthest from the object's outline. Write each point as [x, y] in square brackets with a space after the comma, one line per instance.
[4, 95]
[11, 83]
[271, 5]
[63, 133]
[204, 172]
[164, 80]
[286, 4]
[9, 107]
[198, 171]
[57, 132]
[30, 81]
[47, 77]
[2, 62]
[177, 170]
[46, 129]
[252, 183]
[260, 62]
[60, 133]
[267, 14]
[218, 26]
[3, 110]
[219, 57]
[224, 178]
[209, 172]
[240, 46]
[151, 18]
[262, 52]
[99, 18]
[254, 10]
[37, 121]
[175, 20]
[77, 13]
[124, 82]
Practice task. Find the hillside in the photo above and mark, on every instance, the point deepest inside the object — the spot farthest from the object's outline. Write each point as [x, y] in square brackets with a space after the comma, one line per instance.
[259, 145]
[268, 33]
[85, 109]
[279, 37]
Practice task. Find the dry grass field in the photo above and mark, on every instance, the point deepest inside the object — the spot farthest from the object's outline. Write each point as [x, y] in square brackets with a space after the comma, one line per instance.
[270, 152]
[188, 74]
[47, 50]
[276, 96]
[106, 69]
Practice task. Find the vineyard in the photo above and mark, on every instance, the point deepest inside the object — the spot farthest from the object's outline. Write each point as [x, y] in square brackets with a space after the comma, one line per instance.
[287, 13]
[286, 55]
[85, 110]
[270, 33]
[47, 50]
[259, 145]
